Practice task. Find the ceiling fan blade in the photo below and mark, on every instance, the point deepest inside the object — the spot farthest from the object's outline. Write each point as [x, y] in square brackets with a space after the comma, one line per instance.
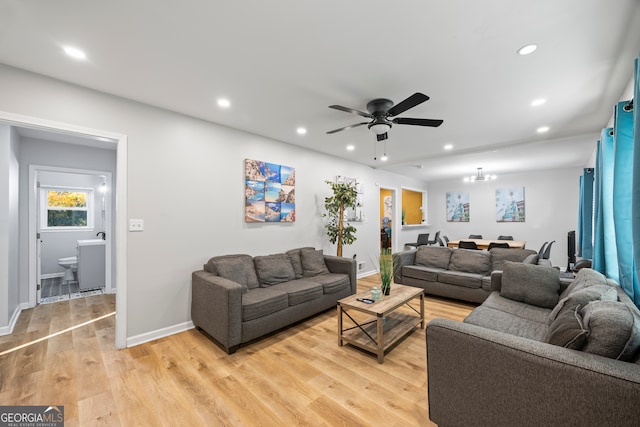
[348, 127]
[417, 122]
[351, 110]
[382, 137]
[415, 99]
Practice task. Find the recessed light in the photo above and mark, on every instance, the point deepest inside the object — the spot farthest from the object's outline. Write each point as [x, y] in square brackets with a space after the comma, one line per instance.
[301, 131]
[538, 102]
[526, 50]
[74, 52]
[224, 103]
[448, 147]
[543, 129]
[351, 147]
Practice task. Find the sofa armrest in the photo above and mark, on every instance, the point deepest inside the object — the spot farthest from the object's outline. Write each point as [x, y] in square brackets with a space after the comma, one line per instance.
[216, 307]
[342, 265]
[477, 376]
[400, 259]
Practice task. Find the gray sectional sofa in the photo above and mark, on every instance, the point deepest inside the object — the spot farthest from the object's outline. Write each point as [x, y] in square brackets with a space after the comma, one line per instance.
[238, 298]
[454, 273]
[539, 351]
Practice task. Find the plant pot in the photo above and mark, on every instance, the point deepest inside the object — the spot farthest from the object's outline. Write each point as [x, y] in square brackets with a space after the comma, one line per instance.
[386, 288]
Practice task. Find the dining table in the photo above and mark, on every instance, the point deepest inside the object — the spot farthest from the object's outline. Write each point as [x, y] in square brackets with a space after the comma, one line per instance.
[484, 243]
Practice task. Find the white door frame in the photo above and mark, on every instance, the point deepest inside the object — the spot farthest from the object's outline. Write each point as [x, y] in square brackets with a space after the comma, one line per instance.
[33, 225]
[120, 140]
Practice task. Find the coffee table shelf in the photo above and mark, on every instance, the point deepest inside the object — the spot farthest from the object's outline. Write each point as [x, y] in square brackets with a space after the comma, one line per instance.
[379, 333]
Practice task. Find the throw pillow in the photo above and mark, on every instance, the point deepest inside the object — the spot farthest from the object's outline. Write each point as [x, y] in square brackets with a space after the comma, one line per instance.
[586, 277]
[531, 259]
[433, 256]
[313, 262]
[238, 268]
[531, 284]
[567, 330]
[296, 261]
[583, 297]
[614, 330]
[274, 269]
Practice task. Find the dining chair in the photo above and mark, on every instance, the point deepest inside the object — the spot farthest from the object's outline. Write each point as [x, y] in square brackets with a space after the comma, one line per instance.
[423, 239]
[498, 245]
[505, 237]
[464, 244]
[475, 236]
[435, 239]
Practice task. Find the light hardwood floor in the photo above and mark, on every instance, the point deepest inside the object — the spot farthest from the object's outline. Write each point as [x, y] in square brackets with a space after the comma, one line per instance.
[298, 376]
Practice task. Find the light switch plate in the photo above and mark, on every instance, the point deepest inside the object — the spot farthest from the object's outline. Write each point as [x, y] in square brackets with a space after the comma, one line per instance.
[136, 225]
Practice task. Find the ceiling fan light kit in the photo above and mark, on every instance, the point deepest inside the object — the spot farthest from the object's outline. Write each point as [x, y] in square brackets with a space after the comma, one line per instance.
[381, 111]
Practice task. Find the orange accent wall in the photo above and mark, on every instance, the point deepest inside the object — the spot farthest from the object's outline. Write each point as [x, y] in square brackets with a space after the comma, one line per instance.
[411, 203]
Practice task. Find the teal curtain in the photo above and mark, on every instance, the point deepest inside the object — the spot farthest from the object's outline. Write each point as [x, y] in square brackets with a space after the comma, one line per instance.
[584, 242]
[622, 195]
[635, 186]
[604, 251]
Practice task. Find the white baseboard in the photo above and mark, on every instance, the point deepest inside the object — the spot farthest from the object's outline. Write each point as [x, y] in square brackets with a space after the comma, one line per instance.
[366, 273]
[51, 275]
[159, 333]
[7, 330]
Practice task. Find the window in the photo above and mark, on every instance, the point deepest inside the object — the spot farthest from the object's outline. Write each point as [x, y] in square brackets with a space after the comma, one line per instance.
[66, 208]
[413, 203]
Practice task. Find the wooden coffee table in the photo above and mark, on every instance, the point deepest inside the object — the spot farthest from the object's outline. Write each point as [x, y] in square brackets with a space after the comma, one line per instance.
[387, 326]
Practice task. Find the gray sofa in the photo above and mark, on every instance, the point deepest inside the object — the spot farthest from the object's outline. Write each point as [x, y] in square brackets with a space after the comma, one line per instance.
[539, 351]
[238, 298]
[454, 273]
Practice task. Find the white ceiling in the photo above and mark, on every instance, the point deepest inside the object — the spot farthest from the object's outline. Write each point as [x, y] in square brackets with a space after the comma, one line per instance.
[282, 63]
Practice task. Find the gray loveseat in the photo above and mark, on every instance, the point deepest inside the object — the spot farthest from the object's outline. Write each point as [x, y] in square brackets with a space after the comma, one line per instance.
[238, 298]
[454, 273]
[539, 351]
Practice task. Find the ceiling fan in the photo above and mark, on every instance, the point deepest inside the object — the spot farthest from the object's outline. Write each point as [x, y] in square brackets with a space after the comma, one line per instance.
[381, 111]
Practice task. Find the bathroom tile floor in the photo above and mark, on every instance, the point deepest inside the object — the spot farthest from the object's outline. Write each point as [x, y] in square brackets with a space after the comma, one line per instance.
[56, 289]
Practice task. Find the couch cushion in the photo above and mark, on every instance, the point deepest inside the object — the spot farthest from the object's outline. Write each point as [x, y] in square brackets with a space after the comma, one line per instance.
[500, 255]
[486, 283]
[296, 261]
[567, 330]
[238, 268]
[586, 277]
[312, 262]
[460, 278]
[273, 269]
[531, 284]
[501, 321]
[333, 282]
[300, 290]
[263, 301]
[433, 256]
[531, 259]
[517, 308]
[429, 274]
[614, 329]
[470, 261]
[584, 296]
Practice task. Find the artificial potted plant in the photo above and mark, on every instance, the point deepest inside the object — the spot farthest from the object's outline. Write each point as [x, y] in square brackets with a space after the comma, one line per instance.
[344, 197]
[386, 270]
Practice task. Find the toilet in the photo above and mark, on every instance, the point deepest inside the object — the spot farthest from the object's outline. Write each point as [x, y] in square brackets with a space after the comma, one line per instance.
[70, 265]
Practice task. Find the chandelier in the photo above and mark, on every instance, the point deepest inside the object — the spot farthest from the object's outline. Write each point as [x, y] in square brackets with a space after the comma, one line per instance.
[479, 177]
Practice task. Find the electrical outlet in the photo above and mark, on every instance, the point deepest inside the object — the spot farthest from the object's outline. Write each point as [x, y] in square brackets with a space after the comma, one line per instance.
[361, 266]
[136, 225]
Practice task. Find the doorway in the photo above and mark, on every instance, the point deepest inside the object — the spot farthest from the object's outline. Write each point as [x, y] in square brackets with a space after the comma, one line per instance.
[73, 232]
[387, 206]
[91, 137]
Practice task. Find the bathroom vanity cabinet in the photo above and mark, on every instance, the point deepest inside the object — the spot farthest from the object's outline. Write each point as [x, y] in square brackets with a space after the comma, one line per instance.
[91, 264]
